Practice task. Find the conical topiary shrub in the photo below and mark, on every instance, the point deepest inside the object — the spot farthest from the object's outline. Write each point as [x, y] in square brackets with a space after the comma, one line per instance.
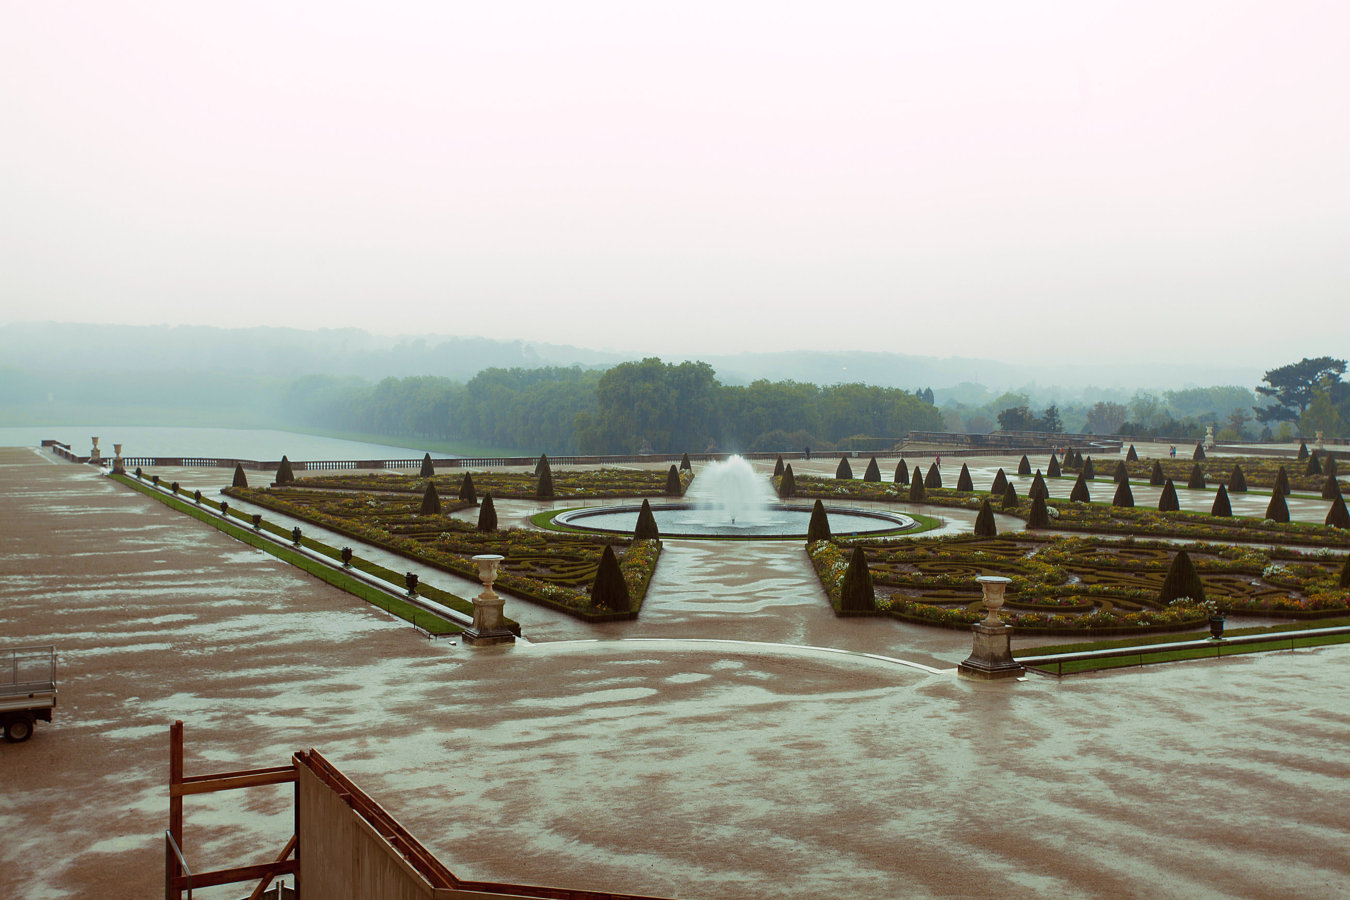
[1089, 470]
[917, 492]
[467, 494]
[1281, 482]
[873, 472]
[1121, 473]
[1009, 500]
[1132, 456]
[1080, 492]
[778, 466]
[963, 482]
[1337, 517]
[610, 591]
[1331, 488]
[1167, 500]
[487, 514]
[819, 527]
[902, 472]
[1182, 580]
[1277, 510]
[541, 464]
[1329, 469]
[1345, 574]
[427, 470]
[431, 501]
[1040, 515]
[1024, 466]
[1222, 508]
[934, 478]
[687, 466]
[543, 489]
[856, 592]
[1237, 482]
[787, 485]
[984, 520]
[1302, 450]
[1156, 477]
[1124, 496]
[1052, 470]
[1199, 453]
[1038, 488]
[1197, 480]
[844, 470]
[1000, 484]
[674, 487]
[240, 479]
[1314, 466]
[646, 529]
[284, 473]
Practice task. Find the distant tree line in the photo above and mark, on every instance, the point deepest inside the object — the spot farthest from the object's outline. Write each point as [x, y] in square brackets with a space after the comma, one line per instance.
[668, 408]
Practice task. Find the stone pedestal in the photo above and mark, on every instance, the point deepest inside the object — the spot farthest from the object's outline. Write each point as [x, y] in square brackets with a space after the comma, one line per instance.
[991, 657]
[489, 626]
[1209, 437]
[94, 455]
[1321, 441]
[117, 460]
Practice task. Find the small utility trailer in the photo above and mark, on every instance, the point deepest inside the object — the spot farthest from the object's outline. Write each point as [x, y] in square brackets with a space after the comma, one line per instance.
[27, 689]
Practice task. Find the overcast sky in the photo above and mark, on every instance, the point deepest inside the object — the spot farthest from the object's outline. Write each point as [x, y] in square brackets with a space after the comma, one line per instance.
[1085, 179]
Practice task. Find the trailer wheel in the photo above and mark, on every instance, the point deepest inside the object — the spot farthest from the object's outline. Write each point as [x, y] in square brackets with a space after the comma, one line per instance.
[18, 729]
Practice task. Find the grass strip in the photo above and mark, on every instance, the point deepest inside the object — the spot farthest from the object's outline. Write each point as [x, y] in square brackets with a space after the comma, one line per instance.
[544, 520]
[408, 612]
[1144, 640]
[1215, 649]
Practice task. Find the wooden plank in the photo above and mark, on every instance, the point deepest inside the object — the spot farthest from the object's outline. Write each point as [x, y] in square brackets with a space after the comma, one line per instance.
[189, 779]
[281, 857]
[235, 875]
[226, 784]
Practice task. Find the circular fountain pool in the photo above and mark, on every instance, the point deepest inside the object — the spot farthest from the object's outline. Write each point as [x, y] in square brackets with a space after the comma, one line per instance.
[690, 520]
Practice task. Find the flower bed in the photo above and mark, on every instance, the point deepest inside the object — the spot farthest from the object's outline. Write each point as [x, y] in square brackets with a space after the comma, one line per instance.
[567, 484]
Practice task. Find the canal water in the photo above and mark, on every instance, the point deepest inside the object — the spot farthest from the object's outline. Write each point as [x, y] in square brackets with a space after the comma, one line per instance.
[232, 443]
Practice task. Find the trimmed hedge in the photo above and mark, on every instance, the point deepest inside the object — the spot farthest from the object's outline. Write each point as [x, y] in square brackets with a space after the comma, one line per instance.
[1182, 580]
[609, 591]
[963, 481]
[818, 529]
[902, 472]
[984, 521]
[1024, 466]
[431, 501]
[844, 470]
[1080, 491]
[487, 514]
[1000, 483]
[1167, 500]
[873, 472]
[646, 528]
[934, 477]
[284, 473]
[1222, 508]
[1124, 496]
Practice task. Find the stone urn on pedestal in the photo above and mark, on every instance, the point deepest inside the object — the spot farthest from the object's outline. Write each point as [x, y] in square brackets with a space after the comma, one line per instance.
[117, 460]
[991, 656]
[489, 626]
[94, 455]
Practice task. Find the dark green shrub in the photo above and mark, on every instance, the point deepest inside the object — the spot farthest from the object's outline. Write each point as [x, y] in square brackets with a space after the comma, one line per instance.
[1132, 456]
[1277, 510]
[240, 479]
[687, 466]
[1302, 450]
[1038, 488]
[673, 486]
[1337, 517]
[431, 501]
[1281, 482]
[819, 527]
[427, 470]
[541, 464]
[1124, 496]
[1331, 488]
[917, 493]
[1237, 482]
[1009, 500]
[610, 591]
[902, 472]
[984, 521]
[777, 467]
[1040, 515]
[1222, 508]
[1080, 491]
[487, 514]
[787, 485]
[856, 592]
[873, 472]
[1122, 473]
[1024, 466]
[1000, 484]
[284, 473]
[1167, 500]
[1314, 466]
[963, 482]
[1089, 470]
[466, 491]
[1182, 580]
[1052, 470]
[646, 529]
[1345, 573]
[934, 478]
[844, 470]
[1197, 479]
[1329, 469]
[1156, 477]
[544, 489]
[1199, 453]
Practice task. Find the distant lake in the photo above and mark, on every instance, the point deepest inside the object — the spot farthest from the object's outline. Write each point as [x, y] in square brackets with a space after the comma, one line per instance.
[232, 443]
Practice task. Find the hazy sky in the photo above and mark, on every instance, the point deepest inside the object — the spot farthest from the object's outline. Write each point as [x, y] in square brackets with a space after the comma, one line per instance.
[992, 179]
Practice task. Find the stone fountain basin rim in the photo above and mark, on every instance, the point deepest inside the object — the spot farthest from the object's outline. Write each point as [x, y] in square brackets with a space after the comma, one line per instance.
[899, 521]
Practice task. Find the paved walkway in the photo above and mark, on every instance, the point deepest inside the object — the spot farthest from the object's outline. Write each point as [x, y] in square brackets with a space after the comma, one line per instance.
[667, 765]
